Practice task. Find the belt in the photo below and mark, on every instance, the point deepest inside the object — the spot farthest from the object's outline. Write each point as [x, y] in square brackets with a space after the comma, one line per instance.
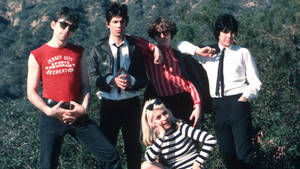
[228, 97]
[65, 105]
[120, 101]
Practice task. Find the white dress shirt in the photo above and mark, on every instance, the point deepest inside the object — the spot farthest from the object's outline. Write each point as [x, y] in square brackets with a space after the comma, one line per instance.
[240, 71]
[124, 63]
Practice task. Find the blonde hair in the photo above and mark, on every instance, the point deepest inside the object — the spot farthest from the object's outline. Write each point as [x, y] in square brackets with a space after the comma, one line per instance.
[150, 106]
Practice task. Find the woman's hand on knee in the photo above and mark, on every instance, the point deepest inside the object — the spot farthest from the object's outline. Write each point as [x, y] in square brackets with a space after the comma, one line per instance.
[196, 165]
[149, 165]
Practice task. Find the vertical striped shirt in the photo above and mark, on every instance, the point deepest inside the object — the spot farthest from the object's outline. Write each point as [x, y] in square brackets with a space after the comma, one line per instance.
[166, 77]
[178, 149]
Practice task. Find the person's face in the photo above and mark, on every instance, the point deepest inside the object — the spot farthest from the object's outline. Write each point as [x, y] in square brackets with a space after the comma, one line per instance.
[163, 38]
[161, 118]
[63, 29]
[117, 26]
[226, 38]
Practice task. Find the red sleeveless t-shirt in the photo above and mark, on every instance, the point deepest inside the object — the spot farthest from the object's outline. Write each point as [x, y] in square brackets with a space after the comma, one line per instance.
[60, 71]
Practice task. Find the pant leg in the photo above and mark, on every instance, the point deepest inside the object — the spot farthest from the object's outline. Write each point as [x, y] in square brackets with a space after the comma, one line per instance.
[224, 133]
[131, 133]
[90, 135]
[110, 121]
[52, 132]
[241, 128]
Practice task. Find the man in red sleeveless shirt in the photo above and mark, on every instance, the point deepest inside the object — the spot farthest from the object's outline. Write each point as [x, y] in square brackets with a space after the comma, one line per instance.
[61, 68]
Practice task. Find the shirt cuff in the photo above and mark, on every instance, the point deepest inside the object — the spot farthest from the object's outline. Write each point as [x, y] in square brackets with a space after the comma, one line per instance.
[132, 81]
[197, 104]
[200, 160]
[247, 96]
[109, 79]
[151, 46]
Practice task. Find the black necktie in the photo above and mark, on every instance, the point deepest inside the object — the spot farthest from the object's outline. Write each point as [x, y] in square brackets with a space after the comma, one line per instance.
[118, 56]
[220, 78]
[118, 62]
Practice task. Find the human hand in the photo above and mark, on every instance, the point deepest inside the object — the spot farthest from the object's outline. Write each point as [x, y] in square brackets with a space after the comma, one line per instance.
[56, 111]
[196, 165]
[157, 56]
[122, 81]
[206, 51]
[196, 115]
[70, 116]
[159, 130]
[242, 99]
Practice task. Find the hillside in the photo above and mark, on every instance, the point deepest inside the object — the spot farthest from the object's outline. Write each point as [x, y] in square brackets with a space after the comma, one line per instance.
[24, 25]
[268, 28]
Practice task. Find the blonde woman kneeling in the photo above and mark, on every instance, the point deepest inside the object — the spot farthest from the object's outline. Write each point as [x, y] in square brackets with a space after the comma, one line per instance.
[171, 140]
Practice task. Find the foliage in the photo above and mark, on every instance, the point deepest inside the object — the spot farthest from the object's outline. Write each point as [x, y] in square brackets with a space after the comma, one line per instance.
[268, 28]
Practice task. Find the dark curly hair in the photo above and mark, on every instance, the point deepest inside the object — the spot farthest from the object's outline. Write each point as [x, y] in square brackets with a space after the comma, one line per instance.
[161, 25]
[225, 22]
[116, 9]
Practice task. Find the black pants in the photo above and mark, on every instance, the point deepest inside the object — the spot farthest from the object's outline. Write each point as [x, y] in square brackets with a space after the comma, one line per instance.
[181, 105]
[52, 133]
[233, 130]
[124, 115]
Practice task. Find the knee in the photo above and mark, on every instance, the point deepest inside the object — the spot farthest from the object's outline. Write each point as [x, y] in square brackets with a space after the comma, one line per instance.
[145, 165]
[148, 165]
[247, 159]
[114, 154]
[246, 154]
[110, 153]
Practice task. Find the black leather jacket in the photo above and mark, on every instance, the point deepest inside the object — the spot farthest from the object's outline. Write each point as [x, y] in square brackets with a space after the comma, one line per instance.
[101, 65]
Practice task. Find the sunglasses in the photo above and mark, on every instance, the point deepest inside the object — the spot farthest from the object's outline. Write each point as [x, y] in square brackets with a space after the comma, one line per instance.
[165, 33]
[63, 25]
[156, 102]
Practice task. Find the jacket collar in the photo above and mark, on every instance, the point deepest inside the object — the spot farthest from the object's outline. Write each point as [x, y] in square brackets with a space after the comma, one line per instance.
[104, 44]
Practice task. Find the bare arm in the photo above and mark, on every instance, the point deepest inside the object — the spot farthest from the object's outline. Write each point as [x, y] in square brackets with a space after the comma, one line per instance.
[33, 80]
[85, 84]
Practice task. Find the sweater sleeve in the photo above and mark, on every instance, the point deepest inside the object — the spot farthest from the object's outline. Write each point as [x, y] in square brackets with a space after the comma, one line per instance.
[194, 93]
[202, 136]
[152, 152]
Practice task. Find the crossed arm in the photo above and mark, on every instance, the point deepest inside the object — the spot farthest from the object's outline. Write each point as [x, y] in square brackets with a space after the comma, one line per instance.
[64, 115]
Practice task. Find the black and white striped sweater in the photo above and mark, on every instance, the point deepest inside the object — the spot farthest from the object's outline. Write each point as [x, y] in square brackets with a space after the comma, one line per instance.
[178, 149]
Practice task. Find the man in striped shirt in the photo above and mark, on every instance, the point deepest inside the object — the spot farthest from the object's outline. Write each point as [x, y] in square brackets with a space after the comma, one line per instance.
[179, 81]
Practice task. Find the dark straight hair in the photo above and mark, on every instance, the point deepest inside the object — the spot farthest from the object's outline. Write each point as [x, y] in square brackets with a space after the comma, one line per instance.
[67, 14]
[116, 9]
[225, 22]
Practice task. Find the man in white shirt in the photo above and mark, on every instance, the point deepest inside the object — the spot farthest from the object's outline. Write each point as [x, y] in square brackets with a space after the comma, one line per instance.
[234, 81]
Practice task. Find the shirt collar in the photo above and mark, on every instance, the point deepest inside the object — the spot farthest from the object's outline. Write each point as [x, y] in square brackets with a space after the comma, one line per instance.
[227, 49]
[111, 42]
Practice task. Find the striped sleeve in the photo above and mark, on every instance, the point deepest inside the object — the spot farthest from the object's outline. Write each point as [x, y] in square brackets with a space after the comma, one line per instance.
[194, 93]
[145, 45]
[152, 152]
[208, 141]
